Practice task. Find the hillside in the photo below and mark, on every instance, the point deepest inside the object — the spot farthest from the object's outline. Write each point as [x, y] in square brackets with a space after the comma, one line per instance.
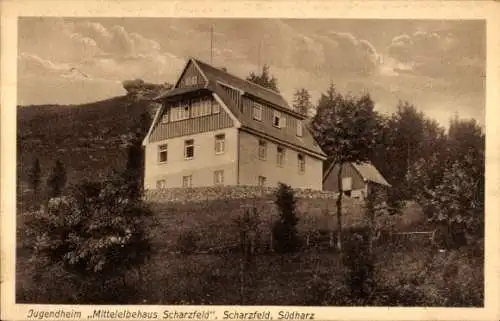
[86, 138]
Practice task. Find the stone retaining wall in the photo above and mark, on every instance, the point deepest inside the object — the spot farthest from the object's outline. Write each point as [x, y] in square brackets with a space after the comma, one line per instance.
[201, 194]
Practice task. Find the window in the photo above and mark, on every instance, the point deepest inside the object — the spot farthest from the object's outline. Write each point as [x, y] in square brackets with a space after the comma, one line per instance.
[347, 184]
[219, 177]
[299, 128]
[301, 162]
[180, 111]
[215, 107]
[163, 153]
[257, 111]
[190, 81]
[220, 142]
[280, 156]
[161, 184]
[283, 122]
[262, 150]
[262, 181]
[277, 119]
[189, 149]
[187, 181]
[201, 107]
[164, 118]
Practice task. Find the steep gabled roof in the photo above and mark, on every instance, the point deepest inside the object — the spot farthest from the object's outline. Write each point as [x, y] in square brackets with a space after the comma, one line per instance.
[366, 170]
[370, 173]
[217, 78]
[248, 87]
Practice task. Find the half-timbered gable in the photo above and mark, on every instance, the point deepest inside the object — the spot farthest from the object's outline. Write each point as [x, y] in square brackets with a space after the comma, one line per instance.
[191, 77]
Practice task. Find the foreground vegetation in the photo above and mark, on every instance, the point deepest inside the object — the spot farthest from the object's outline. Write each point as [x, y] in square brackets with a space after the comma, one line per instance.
[412, 275]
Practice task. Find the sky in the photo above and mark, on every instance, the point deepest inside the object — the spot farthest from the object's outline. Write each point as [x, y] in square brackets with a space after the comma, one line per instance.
[436, 65]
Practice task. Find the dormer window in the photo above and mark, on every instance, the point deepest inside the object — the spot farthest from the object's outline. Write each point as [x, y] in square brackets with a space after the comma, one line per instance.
[257, 112]
[299, 129]
[277, 122]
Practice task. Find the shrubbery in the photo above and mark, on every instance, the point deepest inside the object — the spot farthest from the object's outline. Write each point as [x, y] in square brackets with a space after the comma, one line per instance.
[96, 233]
[285, 235]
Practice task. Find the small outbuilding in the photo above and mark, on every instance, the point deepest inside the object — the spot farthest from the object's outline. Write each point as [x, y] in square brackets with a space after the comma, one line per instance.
[358, 179]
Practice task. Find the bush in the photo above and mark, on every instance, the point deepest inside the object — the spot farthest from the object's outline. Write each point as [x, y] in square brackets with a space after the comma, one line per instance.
[284, 230]
[359, 264]
[96, 234]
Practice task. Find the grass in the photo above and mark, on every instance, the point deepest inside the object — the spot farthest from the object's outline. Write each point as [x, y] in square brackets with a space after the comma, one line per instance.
[414, 275]
[407, 274]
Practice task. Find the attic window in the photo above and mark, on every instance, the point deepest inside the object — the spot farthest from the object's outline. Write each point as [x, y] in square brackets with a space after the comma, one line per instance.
[277, 122]
[191, 81]
[257, 111]
[165, 118]
[299, 129]
[215, 107]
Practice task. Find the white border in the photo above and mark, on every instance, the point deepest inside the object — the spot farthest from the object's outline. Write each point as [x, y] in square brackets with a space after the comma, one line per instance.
[489, 10]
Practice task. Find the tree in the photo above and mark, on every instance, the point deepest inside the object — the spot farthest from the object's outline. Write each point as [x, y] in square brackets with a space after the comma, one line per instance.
[134, 170]
[449, 185]
[302, 101]
[285, 233]
[56, 180]
[265, 79]
[34, 174]
[96, 233]
[346, 130]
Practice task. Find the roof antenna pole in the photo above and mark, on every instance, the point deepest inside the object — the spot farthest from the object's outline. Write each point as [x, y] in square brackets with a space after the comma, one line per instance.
[211, 42]
[258, 55]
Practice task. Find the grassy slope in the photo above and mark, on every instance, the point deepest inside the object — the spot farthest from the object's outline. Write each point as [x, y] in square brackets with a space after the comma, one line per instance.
[87, 138]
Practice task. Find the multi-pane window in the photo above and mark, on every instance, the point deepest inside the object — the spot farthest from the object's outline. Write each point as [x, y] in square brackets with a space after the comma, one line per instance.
[220, 143]
[165, 117]
[299, 129]
[280, 156]
[191, 81]
[262, 181]
[187, 181]
[219, 177]
[189, 149]
[198, 107]
[201, 107]
[277, 119]
[215, 107]
[257, 111]
[181, 111]
[262, 149]
[161, 184]
[163, 153]
[301, 162]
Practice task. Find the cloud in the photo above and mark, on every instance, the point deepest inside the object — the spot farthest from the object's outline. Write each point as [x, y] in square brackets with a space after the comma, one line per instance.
[88, 52]
[437, 54]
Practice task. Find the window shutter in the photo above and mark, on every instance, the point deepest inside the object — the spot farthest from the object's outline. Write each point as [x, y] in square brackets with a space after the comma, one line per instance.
[346, 183]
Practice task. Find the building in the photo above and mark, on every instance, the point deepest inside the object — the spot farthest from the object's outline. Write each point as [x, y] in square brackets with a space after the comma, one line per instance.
[358, 179]
[214, 128]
